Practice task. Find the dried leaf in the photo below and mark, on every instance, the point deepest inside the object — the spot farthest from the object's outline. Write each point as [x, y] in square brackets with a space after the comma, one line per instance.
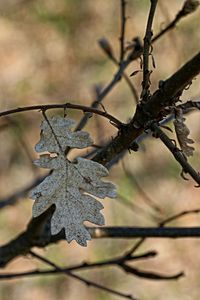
[71, 185]
[182, 133]
[134, 73]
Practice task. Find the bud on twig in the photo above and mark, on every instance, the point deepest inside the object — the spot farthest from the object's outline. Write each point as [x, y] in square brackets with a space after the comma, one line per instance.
[189, 7]
[105, 45]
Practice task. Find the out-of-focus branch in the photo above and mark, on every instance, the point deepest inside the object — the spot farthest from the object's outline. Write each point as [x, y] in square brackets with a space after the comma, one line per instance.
[80, 278]
[11, 200]
[145, 197]
[120, 262]
[106, 47]
[179, 215]
[189, 7]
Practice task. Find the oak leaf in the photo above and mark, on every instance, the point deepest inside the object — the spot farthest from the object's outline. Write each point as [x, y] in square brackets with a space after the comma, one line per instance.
[71, 186]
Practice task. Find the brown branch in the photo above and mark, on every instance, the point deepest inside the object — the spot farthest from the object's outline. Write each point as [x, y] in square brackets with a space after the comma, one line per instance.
[123, 23]
[104, 44]
[146, 51]
[119, 262]
[83, 266]
[186, 9]
[179, 215]
[151, 110]
[149, 275]
[161, 224]
[189, 106]
[46, 107]
[38, 234]
[12, 199]
[135, 54]
[178, 155]
[80, 278]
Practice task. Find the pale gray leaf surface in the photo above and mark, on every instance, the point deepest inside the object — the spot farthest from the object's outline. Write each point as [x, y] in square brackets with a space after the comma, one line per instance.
[66, 138]
[71, 186]
[182, 133]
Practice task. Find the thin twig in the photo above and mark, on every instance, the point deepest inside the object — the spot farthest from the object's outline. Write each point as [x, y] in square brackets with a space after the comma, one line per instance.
[179, 156]
[181, 14]
[119, 262]
[123, 24]
[46, 107]
[146, 50]
[128, 81]
[12, 199]
[104, 93]
[133, 56]
[145, 197]
[86, 281]
[161, 224]
[150, 275]
[189, 106]
[179, 215]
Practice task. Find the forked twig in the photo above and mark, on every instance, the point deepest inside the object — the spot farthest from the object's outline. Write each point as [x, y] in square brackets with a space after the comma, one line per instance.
[80, 278]
[179, 156]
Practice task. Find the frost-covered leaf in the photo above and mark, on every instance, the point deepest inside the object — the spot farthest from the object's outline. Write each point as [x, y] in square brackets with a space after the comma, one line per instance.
[182, 133]
[71, 185]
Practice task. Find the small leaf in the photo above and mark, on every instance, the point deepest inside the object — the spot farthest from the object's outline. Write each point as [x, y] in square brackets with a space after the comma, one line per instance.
[134, 73]
[182, 133]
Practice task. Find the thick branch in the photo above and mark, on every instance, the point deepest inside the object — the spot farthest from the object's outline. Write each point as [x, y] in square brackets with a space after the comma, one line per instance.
[41, 237]
[152, 110]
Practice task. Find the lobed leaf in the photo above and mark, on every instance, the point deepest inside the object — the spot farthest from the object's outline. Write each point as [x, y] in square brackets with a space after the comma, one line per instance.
[71, 186]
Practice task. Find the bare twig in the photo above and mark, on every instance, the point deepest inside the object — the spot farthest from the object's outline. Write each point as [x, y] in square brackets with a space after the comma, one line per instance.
[161, 224]
[85, 266]
[146, 49]
[152, 110]
[104, 44]
[179, 215]
[119, 262]
[109, 87]
[86, 281]
[150, 275]
[133, 56]
[12, 199]
[38, 234]
[179, 156]
[123, 23]
[189, 106]
[188, 8]
[145, 197]
[46, 107]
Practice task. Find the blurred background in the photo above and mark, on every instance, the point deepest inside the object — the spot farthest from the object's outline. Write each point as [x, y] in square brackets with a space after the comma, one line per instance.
[49, 54]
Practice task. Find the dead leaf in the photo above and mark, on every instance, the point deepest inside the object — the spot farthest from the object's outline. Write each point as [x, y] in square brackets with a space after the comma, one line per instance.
[71, 185]
[182, 133]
